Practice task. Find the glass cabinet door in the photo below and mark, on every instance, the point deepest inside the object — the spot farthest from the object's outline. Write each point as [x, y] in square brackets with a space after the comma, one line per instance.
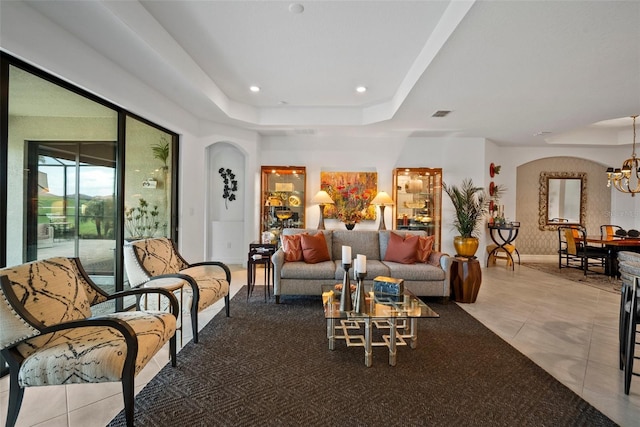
[282, 202]
[418, 200]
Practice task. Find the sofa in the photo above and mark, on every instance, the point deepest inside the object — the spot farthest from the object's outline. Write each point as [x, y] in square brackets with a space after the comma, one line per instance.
[301, 277]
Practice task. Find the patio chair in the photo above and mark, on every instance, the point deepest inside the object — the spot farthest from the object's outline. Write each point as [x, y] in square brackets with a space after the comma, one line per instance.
[49, 337]
[157, 259]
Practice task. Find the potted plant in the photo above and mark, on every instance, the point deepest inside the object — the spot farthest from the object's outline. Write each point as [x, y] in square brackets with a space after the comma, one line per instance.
[471, 205]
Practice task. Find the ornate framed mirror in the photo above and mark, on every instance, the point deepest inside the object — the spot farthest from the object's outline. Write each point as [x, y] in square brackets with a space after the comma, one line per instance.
[563, 199]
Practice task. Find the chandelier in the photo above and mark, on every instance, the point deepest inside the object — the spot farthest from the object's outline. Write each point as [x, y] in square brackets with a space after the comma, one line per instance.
[621, 178]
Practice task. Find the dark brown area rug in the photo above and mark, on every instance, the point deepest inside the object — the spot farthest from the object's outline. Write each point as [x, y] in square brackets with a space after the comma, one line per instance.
[269, 365]
[593, 279]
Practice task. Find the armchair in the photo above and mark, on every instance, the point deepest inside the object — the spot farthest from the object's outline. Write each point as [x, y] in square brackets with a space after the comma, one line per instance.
[156, 259]
[48, 336]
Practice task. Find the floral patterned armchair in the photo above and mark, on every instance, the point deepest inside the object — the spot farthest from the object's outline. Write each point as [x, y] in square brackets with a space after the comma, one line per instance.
[156, 259]
[49, 337]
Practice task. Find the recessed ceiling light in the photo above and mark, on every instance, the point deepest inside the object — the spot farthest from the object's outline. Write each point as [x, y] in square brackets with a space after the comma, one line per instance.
[254, 88]
[361, 89]
[296, 8]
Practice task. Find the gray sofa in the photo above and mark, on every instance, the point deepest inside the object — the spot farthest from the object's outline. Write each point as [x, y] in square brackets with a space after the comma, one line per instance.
[300, 278]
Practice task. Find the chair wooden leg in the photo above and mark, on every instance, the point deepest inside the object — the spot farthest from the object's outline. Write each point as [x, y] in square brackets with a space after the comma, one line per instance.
[129, 399]
[16, 393]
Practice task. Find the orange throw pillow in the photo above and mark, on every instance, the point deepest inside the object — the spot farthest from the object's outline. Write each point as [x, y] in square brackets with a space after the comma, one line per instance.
[402, 251]
[314, 248]
[292, 248]
[425, 246]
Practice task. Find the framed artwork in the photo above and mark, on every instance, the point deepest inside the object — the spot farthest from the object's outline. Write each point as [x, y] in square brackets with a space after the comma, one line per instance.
[352, 193]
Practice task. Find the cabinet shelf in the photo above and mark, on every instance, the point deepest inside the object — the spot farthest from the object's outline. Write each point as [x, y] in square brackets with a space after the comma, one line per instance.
[282, 189]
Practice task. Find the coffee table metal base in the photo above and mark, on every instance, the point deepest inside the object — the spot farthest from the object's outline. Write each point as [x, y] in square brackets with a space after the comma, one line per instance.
[402, 332]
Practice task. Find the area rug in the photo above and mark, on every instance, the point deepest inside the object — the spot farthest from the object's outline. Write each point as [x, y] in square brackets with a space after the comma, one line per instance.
[269, 365]
[593, 279]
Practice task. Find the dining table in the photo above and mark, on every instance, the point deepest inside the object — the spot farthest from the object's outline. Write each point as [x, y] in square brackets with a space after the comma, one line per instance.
[614, 244]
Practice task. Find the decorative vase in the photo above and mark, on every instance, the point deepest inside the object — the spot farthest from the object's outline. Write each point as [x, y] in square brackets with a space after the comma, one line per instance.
[350, 225]
[466, 246]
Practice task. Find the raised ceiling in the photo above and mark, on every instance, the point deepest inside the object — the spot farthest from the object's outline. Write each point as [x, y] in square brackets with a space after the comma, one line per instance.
[514, 72]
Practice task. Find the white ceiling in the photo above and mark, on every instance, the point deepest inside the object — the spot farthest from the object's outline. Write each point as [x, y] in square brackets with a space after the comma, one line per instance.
[515, 72]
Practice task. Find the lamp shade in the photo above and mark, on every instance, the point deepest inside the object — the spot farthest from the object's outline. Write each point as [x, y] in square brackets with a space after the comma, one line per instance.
[322, 198]
[382, 198]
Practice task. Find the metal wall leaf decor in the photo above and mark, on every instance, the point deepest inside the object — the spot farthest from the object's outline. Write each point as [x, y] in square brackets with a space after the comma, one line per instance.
[230, 185]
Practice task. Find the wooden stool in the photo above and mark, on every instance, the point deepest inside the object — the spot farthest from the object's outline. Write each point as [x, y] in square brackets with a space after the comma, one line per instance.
[496, 255]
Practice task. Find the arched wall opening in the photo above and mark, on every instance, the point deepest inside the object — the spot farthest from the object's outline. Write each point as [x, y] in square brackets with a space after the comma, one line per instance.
[225, 203]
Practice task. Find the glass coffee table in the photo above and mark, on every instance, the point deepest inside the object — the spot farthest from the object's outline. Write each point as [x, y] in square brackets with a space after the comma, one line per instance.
[396, 315]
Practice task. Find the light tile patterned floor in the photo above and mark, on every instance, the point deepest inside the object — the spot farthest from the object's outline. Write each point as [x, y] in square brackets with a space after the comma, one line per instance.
[568, 329]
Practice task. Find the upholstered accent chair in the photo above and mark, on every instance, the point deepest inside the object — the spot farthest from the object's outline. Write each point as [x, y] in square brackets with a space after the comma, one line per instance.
[48, 335]
[157, 259]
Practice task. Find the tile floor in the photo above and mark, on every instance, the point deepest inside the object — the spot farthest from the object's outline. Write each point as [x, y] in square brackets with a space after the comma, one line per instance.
[568, 329]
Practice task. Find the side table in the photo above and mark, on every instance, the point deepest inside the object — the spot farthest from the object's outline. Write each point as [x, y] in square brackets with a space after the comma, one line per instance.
[260, 254]
[466, 277]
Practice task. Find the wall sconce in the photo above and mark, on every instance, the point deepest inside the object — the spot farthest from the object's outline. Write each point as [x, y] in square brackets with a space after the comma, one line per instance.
[382, 199]
[323, 199]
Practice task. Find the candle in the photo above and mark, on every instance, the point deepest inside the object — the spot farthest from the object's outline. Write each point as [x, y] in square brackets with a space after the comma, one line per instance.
[362, 263]
[346, 254]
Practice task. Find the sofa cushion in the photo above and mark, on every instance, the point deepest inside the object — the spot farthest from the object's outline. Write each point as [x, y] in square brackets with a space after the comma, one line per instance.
[292, 247]
[425, 245]
[314, 248]
[402, 250]
[328, 235]
[302, 270]
[415, 272]
[364, 242]
[375, 268]
[384, 238]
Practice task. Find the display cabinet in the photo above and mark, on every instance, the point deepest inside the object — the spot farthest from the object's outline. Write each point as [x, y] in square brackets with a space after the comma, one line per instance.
[417, 193]
[282, 200]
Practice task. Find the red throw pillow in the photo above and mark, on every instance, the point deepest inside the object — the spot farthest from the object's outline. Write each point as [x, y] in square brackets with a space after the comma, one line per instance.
[402, 250]
[425, 246]
[314, 248]
[292, 248]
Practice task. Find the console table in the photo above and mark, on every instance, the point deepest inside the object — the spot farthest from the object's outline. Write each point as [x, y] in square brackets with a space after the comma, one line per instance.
[503, 235]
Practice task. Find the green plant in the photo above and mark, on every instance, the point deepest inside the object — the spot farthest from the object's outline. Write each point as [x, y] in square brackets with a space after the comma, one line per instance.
[161, 151]
[142, 222]
[471, 205]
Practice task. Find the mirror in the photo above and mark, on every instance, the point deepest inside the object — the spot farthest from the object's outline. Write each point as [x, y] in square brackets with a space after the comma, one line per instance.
[563, 199]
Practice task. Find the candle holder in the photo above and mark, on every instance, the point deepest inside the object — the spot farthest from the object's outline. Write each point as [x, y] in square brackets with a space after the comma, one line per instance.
[360, 306]
[345, 298]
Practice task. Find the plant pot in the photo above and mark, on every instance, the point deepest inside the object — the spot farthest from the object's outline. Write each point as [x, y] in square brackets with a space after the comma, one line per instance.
[466, 246]
[350, 225]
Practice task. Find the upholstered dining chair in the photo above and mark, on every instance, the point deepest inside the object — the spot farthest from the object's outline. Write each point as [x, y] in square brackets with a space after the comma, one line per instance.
[574, 251]
[157, 259]
[48, 335]
[607, 231]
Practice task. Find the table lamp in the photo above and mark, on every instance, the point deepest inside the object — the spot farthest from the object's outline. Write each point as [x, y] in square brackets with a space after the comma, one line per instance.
[382, 199]
[322, 198]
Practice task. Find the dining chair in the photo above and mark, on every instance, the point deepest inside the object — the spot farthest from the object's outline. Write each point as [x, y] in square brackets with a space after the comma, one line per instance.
[607, 231]
[576, 253]
[49, 335]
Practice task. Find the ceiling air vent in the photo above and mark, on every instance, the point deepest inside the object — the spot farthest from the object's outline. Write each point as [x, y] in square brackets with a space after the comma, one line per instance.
[441, 113]
[304, 131]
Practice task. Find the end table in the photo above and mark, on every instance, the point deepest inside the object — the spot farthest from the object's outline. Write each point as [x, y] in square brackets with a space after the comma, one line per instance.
[466, 277]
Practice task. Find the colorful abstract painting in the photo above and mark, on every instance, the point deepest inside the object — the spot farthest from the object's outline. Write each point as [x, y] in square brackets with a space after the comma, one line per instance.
[352, 193]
